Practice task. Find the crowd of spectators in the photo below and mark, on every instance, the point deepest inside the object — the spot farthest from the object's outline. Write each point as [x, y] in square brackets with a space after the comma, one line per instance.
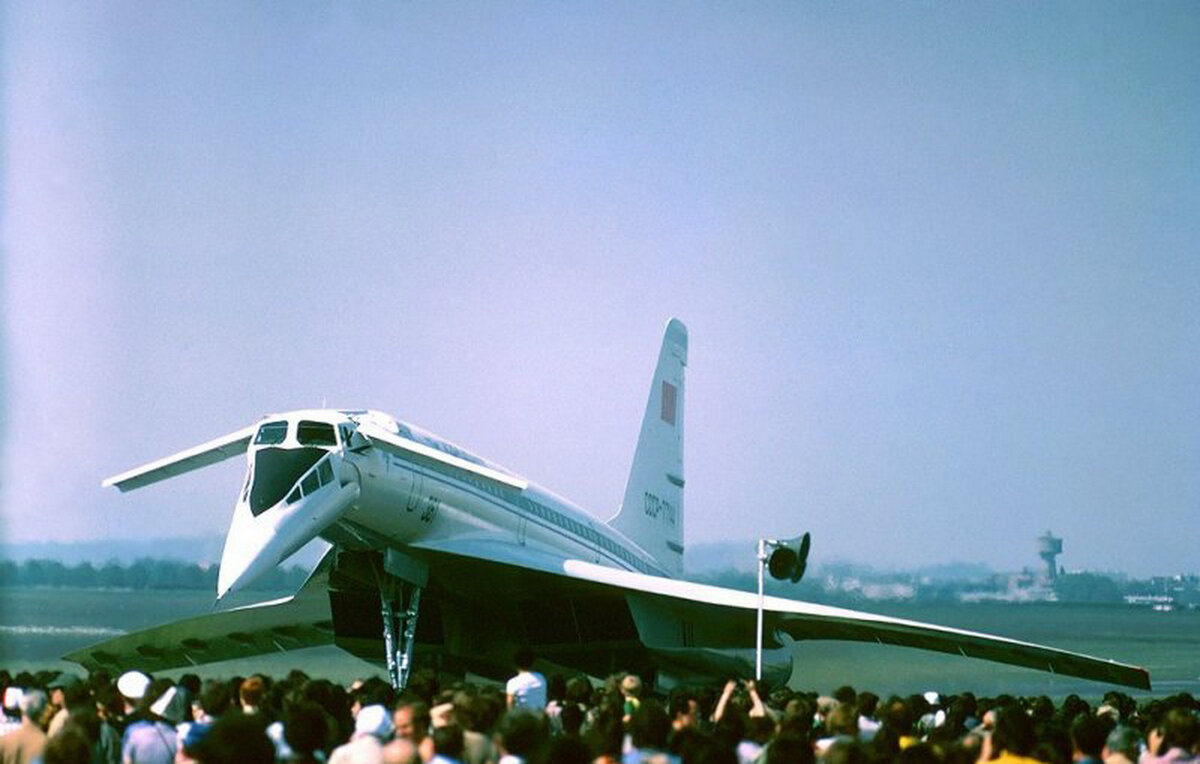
[137, 719]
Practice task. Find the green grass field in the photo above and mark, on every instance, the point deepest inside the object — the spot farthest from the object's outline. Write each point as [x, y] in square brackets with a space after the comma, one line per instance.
[39, 625]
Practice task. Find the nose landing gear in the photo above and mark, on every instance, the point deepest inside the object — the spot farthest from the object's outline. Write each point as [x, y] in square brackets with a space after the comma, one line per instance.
[400, 604]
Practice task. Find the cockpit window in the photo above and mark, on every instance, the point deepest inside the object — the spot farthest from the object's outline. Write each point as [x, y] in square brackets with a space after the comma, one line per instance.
[276, 470]
[271, 433]
[316, 434]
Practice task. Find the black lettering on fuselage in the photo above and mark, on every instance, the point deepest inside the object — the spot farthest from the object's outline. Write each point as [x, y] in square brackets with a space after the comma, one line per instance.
[654, 507]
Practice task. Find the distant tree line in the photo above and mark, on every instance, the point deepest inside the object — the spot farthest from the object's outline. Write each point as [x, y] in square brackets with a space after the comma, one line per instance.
[142, 574]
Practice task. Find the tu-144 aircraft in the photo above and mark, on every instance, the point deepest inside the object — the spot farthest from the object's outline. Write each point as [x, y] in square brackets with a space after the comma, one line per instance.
[436, 553]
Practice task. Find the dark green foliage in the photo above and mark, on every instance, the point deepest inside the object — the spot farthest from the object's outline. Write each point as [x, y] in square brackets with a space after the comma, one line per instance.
[142, 574]
[1086, 587]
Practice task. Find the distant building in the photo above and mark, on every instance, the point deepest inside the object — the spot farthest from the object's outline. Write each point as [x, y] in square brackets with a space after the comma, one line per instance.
[1049, 548]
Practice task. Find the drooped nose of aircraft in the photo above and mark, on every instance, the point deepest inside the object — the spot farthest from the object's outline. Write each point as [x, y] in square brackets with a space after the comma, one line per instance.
[257, 542]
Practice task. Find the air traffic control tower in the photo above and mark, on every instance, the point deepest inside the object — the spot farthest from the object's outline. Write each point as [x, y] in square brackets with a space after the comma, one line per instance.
[1050, 547]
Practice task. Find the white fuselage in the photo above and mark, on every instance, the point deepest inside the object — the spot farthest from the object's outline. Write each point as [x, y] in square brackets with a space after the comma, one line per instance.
[309, 470]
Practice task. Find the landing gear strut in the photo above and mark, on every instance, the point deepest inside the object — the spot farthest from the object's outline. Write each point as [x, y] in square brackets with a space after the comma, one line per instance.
[400, 603]
[400, 584]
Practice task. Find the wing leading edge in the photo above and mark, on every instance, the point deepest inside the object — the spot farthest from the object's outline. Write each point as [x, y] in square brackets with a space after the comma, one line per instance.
[216, 450]
[723, 618]
[291, 623]
[805, 620]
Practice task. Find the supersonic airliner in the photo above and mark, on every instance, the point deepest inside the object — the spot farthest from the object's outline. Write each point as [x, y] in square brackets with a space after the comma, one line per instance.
[438, 555]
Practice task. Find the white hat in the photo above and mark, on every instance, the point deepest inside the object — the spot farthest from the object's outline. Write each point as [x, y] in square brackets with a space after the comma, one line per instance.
[133, 684]
[171, 705]
[374, 720]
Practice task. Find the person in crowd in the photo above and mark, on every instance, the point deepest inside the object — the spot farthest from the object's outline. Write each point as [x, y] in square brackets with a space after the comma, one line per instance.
[461, 711]
[149, 738]
[412, 722]
[897, 725]
[305, 732]
[648, 734]
[1122, 746]
[68, 745]
[527, 689]
[1088, 733]
[684, 708]
[447, 744]
[519, 736]
[840, 724]
[605, 733]
[1013, 740]
[400, 751]
[469, 724]
[867, 703]
[236, 739]
[132, 687]
[556, 694]
[631, 695]
[250, 695]
[844, 751]
[66, 693]
[790, 748]
[24, 744]
[373, 728]
[1174, 739]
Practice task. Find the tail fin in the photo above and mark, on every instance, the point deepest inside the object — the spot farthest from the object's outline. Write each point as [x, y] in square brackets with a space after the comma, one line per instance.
[652, 513]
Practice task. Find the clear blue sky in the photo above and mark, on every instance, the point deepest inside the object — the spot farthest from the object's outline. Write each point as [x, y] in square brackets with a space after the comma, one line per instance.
[938, 261]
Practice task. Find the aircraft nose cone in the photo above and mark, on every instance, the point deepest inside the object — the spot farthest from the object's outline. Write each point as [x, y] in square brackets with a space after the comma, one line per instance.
[243, 556]
[255, 545]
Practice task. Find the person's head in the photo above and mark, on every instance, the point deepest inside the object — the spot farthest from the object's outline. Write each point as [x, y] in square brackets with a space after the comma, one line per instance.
[33, 705]
[191, 683]
[214, 700]
[448, 741]
[1123, 740]
[789, 748]
[401, 751]
[571, 718]
[845, 694]
[68, 746]
[411, 718]
[305, 727]
[845, 752]
[631, 686]
[842, 720]
[898, 717]
[523, 659]
[1013, 733]
[684, 710]
[372, 691]
[1088, 733]
[236, 739]
[867, 703]
[133, 686]
[59, 687]
[250, 694]
[1179, 729]
[376, 721]
[650, 726]
[520, 732]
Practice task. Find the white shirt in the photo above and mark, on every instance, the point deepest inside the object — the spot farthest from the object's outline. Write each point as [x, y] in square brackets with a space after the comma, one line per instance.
[528, 690]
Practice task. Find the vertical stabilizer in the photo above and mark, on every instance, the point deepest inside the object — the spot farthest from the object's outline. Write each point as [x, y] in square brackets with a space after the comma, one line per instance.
[652, 512]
